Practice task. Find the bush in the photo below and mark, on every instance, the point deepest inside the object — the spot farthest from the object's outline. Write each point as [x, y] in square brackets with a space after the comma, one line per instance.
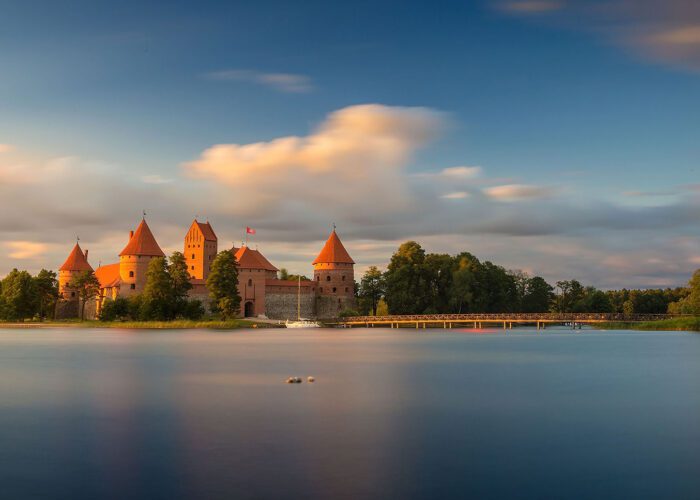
[346, 313]
[193, 309]
[113, 310]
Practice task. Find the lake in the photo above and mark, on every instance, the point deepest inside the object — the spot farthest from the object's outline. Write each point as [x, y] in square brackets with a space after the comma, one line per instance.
[393, 414]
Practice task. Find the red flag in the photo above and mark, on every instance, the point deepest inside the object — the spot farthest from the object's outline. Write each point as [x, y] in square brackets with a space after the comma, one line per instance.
[249, 230]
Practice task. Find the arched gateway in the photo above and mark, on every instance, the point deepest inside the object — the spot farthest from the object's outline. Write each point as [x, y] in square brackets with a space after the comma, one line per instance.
[249, 310]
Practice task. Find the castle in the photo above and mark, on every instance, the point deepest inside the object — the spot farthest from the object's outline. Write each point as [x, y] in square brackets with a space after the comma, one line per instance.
[262, 293]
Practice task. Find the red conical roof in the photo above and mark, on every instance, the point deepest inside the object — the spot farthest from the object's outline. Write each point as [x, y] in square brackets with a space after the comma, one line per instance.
[333, 252]
[142, 243]
[76, 261]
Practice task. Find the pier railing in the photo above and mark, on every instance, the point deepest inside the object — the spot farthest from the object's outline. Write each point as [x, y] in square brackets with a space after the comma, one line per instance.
[505, 318]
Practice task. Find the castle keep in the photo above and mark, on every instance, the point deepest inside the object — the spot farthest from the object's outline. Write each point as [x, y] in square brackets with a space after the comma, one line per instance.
[262, 292]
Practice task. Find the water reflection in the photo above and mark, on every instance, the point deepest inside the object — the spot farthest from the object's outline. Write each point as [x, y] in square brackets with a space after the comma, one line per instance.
[109, 414]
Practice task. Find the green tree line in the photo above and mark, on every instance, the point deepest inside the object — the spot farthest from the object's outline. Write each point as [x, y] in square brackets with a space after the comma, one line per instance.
[416, 282]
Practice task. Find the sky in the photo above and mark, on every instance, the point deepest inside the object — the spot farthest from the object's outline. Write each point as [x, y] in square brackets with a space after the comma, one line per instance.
[557, 137]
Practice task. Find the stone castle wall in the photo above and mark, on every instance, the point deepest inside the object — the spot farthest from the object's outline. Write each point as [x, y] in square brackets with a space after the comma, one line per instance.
[67, 309]
[330, 307]
[283, 305]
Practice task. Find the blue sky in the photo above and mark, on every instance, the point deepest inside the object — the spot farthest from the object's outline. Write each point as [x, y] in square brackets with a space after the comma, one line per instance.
[581, 116]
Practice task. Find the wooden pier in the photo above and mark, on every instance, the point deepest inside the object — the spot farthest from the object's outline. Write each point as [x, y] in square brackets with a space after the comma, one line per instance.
[504, 320]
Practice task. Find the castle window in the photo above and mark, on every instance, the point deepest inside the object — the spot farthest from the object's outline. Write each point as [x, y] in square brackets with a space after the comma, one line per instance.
[131, 274]
[133, 286]
[72, 294]
[250, 282]
[328, 278]
[333, 289]
[318, 278]
[346, 289]
[193, 268]
[193, 256]
[343, 277]
[320, 289]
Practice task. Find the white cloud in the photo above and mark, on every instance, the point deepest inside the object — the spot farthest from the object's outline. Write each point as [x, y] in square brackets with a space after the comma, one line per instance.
[283, 82]
[519, 192]
[461, 172]
[457, 195]
[359, 152]
[532, 6]
[25, 249]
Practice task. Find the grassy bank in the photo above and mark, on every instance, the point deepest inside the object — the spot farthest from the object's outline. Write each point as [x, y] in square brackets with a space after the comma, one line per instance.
[677, 324]
[149, 325]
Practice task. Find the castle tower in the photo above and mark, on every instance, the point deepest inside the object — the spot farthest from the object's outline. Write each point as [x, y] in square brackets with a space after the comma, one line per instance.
[334, 274]
[75, 264]
[134, 259]
[200, 249]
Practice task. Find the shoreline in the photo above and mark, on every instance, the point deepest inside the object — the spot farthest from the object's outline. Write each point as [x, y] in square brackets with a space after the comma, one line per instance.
[679, 324]
[235, 324]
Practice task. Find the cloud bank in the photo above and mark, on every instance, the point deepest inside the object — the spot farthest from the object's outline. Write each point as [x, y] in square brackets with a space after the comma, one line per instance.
[666, 31]
[359, 169]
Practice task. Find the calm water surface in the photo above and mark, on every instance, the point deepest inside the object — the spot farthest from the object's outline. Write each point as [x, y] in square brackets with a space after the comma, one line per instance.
[410, 414]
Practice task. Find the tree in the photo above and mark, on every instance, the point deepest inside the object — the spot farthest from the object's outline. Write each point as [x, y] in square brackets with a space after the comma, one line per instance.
[285, 276]
[179, 275]
[158, 295]
[538, 295]
[691, 303]
[46, 286]
[88, 286]
[463, 283]
[180, 282]
[19, 297]
[406, 286]
[438, 271]
[223, 285]
[495, 289]
[571, 293]
[371, 290]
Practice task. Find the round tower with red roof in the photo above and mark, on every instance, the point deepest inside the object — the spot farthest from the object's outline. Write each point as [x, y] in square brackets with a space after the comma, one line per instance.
[75, 264]
[134, 259]
[334, 273]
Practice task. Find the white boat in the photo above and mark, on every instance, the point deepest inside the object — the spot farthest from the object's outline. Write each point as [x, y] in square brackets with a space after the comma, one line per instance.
[301, 322]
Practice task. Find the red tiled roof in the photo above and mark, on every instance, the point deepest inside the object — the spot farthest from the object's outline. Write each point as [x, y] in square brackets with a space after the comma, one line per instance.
[333, 252]
[142, 243]
[288, 283]
[252, 259]
[207, 230]
[108, 275]
[76, 261]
